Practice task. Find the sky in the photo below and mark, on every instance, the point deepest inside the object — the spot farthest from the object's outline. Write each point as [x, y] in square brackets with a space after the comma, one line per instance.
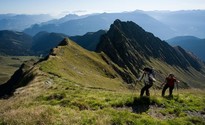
[81, 7]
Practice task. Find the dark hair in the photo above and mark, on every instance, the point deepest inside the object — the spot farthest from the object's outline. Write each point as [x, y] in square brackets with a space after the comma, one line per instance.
[148, 70]
[171, 74]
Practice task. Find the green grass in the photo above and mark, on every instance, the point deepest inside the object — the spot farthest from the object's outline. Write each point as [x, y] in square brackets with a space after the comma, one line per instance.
[66, 102]
[81, 66]
[79, 88]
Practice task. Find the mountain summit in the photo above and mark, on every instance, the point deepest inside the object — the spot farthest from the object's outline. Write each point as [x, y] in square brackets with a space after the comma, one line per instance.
[131, 47]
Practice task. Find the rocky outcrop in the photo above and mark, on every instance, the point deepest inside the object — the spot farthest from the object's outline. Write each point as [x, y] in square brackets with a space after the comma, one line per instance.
[130, 46]
[20, 78]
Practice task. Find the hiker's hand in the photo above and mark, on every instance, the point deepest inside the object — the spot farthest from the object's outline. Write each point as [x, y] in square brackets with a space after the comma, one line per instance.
[162, 85]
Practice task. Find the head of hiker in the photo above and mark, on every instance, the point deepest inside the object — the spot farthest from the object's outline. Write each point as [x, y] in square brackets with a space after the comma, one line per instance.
[146, 70]
[171, 75]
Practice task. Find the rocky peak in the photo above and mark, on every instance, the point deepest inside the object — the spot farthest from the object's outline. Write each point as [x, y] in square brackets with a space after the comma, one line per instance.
[129, 46]
[64, 42]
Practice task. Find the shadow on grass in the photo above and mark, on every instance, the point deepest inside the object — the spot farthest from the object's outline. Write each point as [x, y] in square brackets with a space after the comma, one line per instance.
[141, 104]
[19, 79]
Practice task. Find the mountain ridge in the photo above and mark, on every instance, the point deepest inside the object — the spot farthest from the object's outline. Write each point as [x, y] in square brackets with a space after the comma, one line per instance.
[42, 42]
[102, 21]
[190, 43]
[183, 22]
[21, 21]
[128, 45]
[89, 40]
[15, 43]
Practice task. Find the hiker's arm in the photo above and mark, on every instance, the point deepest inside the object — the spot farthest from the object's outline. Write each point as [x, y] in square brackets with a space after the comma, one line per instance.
[140, 78]
[176, 81]
[152, 78]
[165, 81]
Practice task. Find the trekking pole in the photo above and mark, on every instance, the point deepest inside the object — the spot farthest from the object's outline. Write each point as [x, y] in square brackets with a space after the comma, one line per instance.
[155, 90]
[177, 89]
[133, 88]
[155, 87]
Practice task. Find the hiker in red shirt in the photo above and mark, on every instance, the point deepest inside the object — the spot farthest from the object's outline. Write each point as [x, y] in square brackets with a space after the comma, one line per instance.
[169, 83]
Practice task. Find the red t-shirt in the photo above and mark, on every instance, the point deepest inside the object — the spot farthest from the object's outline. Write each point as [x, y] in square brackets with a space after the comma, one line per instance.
[170, 81]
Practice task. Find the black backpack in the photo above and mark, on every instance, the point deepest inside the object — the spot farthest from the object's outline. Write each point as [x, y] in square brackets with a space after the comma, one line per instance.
[150, 72]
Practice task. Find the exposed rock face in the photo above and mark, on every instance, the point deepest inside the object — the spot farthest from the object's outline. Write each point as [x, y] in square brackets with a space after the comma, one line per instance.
[129, 46]
[64, 42]
[20, 78]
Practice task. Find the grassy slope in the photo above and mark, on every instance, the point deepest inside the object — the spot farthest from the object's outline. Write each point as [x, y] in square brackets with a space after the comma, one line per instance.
[81, 66]
[63, 102]
[76, 90]
[9, 64]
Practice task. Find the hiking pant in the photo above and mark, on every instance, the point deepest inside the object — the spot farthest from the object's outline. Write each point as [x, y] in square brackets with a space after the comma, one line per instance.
[165, 88]
[146, 88]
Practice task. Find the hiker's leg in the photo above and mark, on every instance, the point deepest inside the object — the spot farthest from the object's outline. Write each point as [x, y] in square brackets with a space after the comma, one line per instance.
[171, 90]
[164, 89]
[142, 91]
[147, 89]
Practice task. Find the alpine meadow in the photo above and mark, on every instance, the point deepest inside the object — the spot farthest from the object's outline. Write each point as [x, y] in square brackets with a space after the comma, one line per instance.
[139, 67]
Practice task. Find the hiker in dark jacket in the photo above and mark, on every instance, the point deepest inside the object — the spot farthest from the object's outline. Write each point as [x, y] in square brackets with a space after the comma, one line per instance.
[148, 81]
[169, 83]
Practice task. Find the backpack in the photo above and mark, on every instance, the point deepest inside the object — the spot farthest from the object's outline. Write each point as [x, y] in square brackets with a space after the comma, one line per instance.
[151, 74]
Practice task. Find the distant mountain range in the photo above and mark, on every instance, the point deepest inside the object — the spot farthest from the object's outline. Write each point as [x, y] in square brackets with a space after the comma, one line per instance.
[18, 43]
[64, 19]
[90, 40]
[163, 24]
[43, 42]
[20, 22]
[96, 22]
[183, 23]
[14, 43]
[191, 44]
